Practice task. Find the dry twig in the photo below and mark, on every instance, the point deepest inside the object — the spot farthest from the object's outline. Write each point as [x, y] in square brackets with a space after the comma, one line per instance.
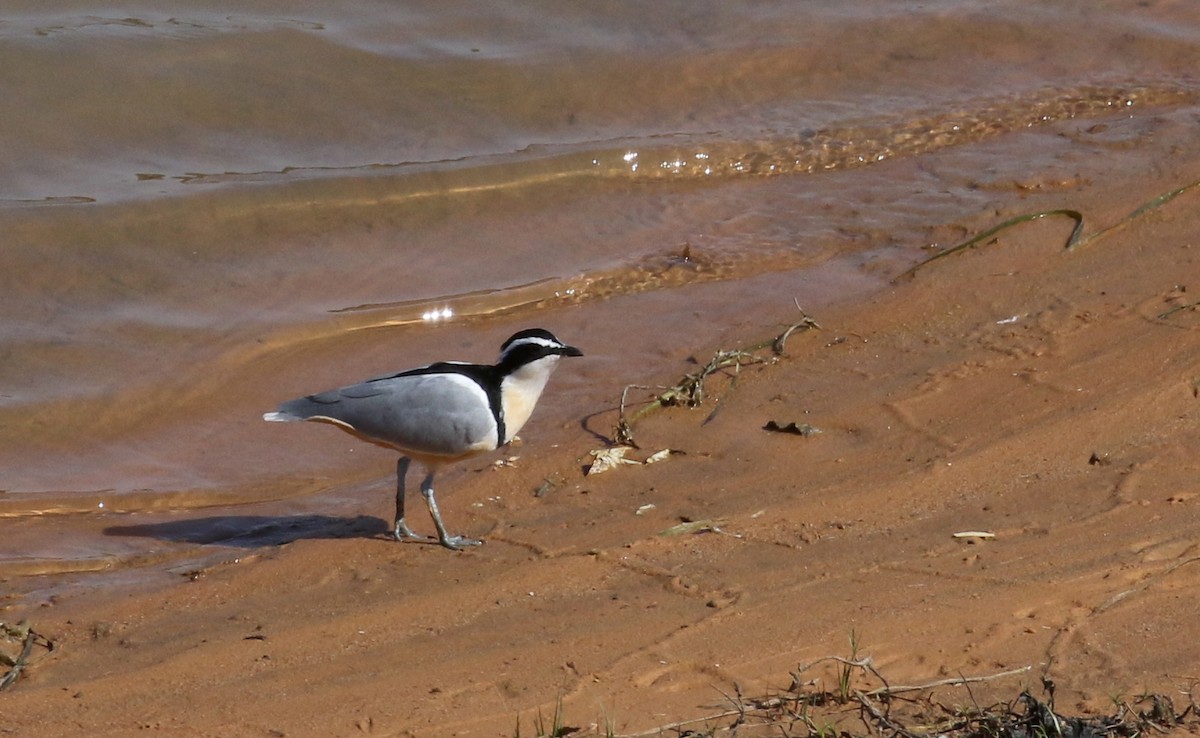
[689, 391]
[24, 634]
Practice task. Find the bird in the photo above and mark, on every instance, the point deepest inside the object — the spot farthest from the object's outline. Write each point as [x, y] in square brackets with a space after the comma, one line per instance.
[440, 413]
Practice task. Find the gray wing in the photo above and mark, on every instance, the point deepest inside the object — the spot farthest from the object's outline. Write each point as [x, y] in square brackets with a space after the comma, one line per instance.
[438, 414]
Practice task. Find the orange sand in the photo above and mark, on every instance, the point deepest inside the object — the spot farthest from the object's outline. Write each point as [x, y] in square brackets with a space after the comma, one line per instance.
[971, 398]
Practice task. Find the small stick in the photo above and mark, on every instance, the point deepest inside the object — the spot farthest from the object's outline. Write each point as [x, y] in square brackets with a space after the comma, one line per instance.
[958, 681]
[20, 663]
[880, 717]
[1178, 309]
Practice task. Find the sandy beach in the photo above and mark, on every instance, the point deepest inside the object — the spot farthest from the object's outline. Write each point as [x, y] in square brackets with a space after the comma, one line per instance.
[988, 470]
[1047, 398]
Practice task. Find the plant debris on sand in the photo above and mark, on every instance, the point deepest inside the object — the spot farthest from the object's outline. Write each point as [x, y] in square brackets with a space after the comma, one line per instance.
[16, 646]
[863, 703]
[689, 391]
[851, 698]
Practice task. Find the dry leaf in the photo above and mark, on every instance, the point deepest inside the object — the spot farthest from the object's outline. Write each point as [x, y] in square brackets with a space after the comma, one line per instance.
[607, 459]
[692, 526]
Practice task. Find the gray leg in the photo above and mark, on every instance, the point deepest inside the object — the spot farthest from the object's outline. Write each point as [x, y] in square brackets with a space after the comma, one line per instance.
[449, 541]
[402, 532]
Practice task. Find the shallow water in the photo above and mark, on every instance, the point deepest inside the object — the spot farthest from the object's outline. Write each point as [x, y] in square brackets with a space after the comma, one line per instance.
[211, 208]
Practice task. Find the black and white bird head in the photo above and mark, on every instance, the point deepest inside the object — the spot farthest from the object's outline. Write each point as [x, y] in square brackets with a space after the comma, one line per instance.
[526, 362]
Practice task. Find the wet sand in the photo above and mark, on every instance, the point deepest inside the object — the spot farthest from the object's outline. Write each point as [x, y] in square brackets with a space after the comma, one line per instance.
[1015, 389]
[206, 213]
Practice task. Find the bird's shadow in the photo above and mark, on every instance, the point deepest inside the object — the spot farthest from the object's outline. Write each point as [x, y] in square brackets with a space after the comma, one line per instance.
[587, 424]
[254, 531]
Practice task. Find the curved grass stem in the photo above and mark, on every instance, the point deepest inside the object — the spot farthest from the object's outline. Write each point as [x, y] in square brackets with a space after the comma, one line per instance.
[1074, 241]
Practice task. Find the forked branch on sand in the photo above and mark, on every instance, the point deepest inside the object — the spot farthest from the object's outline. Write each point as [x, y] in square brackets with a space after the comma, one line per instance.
[25, 635]
[689, 391]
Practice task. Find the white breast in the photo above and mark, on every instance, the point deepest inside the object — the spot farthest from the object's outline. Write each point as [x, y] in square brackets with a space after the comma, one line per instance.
[519, 393]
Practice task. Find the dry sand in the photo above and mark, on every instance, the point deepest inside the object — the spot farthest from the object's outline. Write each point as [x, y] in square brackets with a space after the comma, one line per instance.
[1014, 389]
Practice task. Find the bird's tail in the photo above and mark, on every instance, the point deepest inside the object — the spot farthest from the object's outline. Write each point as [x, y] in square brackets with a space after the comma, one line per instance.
[280, 417]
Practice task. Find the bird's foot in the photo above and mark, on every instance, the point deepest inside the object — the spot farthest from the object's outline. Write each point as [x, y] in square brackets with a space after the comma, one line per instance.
[458, 543]
[404, 533]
